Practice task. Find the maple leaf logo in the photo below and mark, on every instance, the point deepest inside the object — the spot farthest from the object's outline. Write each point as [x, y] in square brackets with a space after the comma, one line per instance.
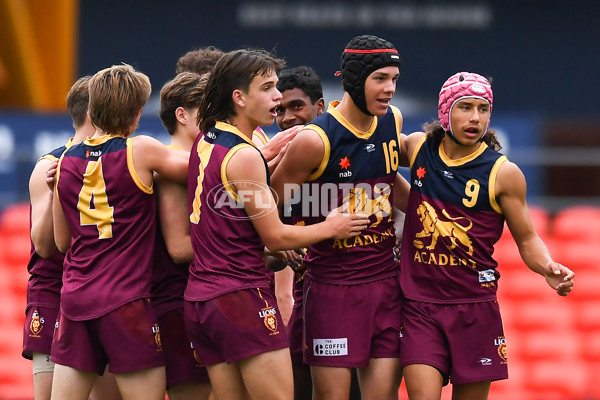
[421, 172]
[345, 162]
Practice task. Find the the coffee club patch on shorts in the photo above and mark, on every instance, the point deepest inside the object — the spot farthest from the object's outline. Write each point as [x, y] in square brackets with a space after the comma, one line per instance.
[330, 347]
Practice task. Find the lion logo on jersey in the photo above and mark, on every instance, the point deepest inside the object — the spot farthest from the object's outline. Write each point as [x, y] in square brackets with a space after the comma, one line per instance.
[433, 227]
[358, 200]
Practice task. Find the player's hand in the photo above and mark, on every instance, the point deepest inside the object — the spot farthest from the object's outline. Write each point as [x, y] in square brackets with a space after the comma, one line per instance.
[51, 173]
[295, 258]
[273, 147]
[345, 224]
[560, 278]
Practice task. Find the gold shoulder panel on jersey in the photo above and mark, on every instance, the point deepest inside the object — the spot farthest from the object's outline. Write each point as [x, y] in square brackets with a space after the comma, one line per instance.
[259, 133]
[224, 163]
[174, 147]
[492, 183]
[232, 129]
[326, 152]
[359, 134]
[133, 172]
[416, 150]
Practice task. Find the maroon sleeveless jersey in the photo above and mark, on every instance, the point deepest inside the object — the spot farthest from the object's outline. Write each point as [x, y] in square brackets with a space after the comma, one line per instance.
[452, 222]
[358, 169]
[227, 248]
[111, 215]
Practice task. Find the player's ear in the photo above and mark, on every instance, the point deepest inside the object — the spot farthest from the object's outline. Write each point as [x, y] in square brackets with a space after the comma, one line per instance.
[239, 98]
[320, 106]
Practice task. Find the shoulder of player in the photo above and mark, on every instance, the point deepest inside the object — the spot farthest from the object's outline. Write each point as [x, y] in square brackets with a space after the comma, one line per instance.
[309, 138]
[410, 142]
[510, 178]
[146, 146]
[38, 175]
[244, 163]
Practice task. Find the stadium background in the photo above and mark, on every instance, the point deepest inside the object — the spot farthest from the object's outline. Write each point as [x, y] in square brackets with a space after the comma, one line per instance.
[542, 55]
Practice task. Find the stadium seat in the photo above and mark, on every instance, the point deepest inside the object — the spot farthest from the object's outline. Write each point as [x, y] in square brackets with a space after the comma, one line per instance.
[14, 219]
[557, 380]
[577, 224]
[523, 285]
[552, 346]
[578, 256]
[587, 316]
[586, 286]
[540, 217]
[17, 250]
[591, 347]
[548, 313]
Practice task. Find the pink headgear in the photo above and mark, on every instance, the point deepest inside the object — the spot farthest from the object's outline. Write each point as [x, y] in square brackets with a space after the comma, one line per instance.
[459, 86]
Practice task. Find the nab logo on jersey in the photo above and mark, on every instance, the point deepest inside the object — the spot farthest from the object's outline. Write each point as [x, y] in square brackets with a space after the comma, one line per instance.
[344, 164]
[93, 153]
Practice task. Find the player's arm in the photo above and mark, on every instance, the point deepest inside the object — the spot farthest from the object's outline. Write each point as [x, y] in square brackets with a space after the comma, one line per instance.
[247, 166]
[284, 290]
[62, 233]
[511, 190]
[303, 156]
[408, 143]
[401, 190]
[42, 230]
[174, 220]
[150, 155]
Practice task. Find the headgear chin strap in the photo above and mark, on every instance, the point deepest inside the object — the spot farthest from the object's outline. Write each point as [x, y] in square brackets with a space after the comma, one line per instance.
[460, 86]
[363, 55]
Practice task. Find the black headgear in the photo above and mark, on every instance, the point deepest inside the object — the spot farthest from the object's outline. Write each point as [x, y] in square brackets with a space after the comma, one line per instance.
[363, 55]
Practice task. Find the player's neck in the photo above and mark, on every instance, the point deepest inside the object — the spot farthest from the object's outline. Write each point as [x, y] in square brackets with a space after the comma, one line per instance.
[84, 131]
[182, 140]
[353, 114]
[244, 125]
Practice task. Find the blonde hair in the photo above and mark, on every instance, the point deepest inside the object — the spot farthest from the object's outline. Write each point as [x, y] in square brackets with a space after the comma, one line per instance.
[117, 95]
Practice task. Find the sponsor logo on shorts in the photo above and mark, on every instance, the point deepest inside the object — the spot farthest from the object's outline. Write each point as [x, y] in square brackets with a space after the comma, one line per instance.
[269, 319]
[330, 347]
[156, 331]
[36, 325]
[501, 343]
[485, 361]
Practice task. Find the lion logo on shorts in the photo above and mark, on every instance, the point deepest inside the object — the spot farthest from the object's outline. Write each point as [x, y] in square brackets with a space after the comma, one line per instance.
[157, 340]
[271, 322]
[37, 323]
[433, 227]
[358, 201]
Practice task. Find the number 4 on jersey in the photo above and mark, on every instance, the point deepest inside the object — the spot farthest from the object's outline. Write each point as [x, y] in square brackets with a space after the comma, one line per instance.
[93, 201]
